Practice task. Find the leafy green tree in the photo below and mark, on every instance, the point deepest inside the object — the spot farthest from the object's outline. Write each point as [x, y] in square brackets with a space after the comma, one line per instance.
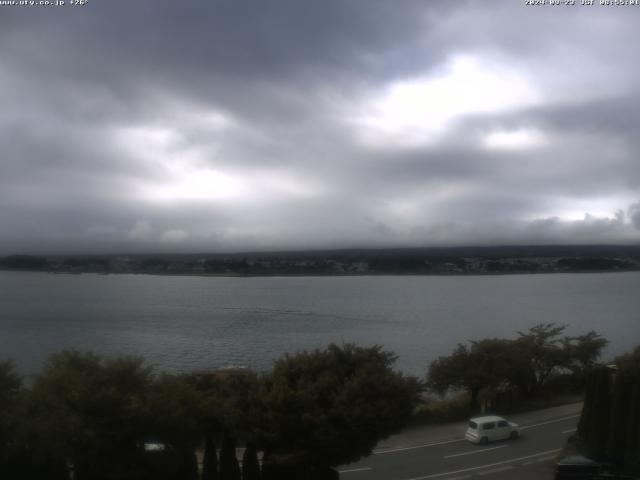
[523, 365]
[543, 347]
[583, 351]
[329, 407]
[173, 408]
[10, 384]
[21, 455]
[90, 410]
[581, 357]
[549, 353]
[486, 364]
[229, 411]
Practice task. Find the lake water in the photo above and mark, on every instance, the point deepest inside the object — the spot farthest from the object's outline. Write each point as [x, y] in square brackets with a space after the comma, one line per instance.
[187, 323]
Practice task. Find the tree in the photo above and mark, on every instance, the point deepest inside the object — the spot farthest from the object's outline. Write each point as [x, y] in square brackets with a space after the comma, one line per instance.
[609, 426]
[594, 424]
[173, 407]
[329, 407]
[230, 411]
[229, 467]
[90, 410]
[628, 372]
[250, 464]
[549, 353]
[10, 384]
[629, 363]
[543, 347]
[582, 352]
[523, 365]
[487, 364]
[210, 459]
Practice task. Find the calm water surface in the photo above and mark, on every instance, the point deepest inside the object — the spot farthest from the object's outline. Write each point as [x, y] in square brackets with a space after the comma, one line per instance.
[185, 323]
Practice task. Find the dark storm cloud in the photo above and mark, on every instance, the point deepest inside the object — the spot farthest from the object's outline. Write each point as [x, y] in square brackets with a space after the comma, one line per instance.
[193, 126]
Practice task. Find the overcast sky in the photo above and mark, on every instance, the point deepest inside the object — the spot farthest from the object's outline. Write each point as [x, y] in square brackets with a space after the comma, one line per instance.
[182, 126]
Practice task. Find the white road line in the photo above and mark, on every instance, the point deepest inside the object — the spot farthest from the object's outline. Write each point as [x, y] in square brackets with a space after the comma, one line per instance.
[512, 460]
[496, 470]
[446, 442]
[364, 469]
[402, 449]
[550, 421]
[475, 451]
[538, 460]
[571, 430]
[543, 459]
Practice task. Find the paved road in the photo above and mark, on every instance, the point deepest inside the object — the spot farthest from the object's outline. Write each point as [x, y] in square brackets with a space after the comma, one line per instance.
[441, 453]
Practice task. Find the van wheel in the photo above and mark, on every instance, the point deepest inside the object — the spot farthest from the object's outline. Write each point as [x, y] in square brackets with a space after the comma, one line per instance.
[514, 435]
[484, 441]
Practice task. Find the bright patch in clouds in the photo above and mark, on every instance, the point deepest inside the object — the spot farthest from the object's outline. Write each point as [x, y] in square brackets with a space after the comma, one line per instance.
[180, 166]
[514, 140]
[569, 209]
[197, 184]
[415, 111]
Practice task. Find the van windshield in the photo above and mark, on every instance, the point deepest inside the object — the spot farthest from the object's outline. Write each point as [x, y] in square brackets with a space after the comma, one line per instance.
[473, 425]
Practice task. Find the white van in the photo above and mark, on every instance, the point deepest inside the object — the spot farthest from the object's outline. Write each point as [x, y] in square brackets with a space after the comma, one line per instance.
[487, 429]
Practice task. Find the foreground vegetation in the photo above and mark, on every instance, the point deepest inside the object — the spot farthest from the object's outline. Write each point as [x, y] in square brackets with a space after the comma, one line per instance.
[609, 427]
[534, 369]
[88, 417]
[116, 419]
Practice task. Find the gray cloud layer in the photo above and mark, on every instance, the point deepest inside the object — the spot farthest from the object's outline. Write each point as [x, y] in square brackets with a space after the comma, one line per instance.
[217, 126]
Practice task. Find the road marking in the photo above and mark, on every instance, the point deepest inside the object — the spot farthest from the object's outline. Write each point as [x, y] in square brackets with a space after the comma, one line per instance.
[512, 460]
[544, 459]
[364, 469]
[392, 450]
[550, 421]
[496, 470]
[571, 430]
[464, 477]
[475, 451]
[446, 442]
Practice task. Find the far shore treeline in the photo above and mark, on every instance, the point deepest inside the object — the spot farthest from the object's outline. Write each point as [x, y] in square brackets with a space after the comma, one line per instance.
[415, 261]
[84, 416]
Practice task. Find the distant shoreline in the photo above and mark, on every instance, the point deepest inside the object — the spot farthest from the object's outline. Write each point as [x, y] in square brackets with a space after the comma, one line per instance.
[368, 274]
[433, 262]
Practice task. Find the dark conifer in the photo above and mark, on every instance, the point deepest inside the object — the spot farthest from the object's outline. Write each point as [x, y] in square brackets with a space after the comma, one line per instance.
[250, 464]
[229, 467]
[210, 460]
